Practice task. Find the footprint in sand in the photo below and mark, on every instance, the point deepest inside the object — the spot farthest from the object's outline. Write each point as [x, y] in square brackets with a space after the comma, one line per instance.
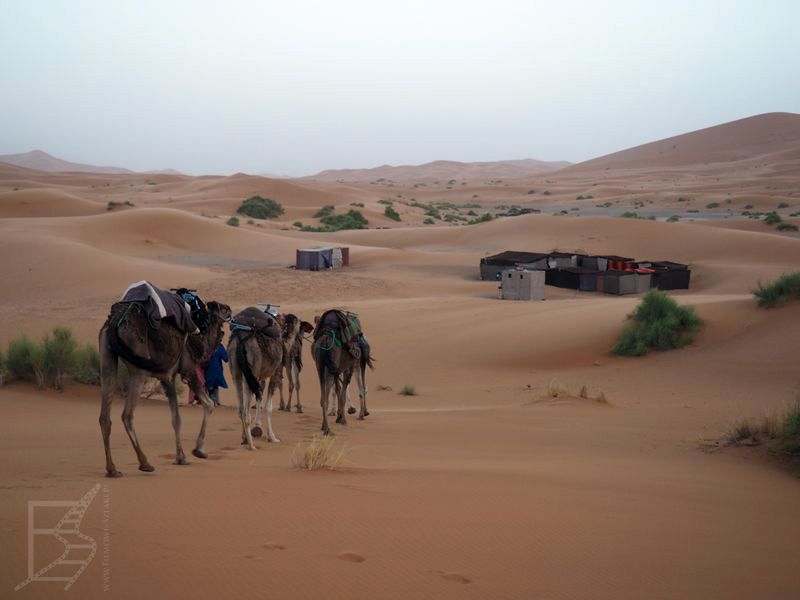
[351, 557]
[454, 577]
[274, 547]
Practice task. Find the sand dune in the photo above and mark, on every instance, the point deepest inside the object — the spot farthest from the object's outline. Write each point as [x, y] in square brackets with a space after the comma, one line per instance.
[481, 485]
[744, 139]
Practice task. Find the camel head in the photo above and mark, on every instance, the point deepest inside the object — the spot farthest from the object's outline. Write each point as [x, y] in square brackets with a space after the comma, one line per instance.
[221, 311]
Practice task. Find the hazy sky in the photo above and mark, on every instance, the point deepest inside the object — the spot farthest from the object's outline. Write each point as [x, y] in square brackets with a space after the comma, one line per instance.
[294, 87]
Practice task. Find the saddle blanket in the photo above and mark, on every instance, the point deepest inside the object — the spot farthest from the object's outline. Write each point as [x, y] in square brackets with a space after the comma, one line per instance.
[159, 304]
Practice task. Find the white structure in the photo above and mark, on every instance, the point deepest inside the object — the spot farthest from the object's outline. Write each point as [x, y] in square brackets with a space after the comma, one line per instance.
[522, 285]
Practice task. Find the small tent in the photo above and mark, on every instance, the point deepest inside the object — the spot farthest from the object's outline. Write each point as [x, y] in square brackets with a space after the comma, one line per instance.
[321, 258]
[618, 282]
[492, 266]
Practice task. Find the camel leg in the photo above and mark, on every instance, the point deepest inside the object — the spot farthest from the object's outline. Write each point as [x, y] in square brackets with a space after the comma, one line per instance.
[256, 430]
[341, 390]
[245, 398]
[172, 397]
[362, 393]
[135, 384]
[333, 408]
[324, 384]
[208, 408]
[271, 437]
[108, 381]
[282, 406]
[295, 375]
[351, 409]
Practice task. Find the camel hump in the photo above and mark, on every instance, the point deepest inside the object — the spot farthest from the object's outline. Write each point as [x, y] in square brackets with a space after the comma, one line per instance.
[257, 320]
[159, 304]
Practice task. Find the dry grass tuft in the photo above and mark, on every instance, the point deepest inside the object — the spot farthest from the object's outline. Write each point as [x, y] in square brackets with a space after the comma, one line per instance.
[383, 388]
[584, 393]
[601, 398]
[557, 389]
[318, 453]
[740, 430]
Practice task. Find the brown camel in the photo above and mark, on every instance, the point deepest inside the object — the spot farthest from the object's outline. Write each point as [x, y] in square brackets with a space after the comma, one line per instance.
[256, 353]
[162, 353]
[336, 364]
[293, 331]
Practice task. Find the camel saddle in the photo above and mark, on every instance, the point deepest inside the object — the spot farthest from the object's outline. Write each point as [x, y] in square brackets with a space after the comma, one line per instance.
[256, 320]
[159, 304]
[346, 330]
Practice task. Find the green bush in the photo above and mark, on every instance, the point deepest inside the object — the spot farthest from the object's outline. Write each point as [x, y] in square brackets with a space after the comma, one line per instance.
[59, 356]
[659, 323]
[260, 208]
[358, 204]
[712, 205]
[408, 390]
[25, 360]
[772, 218]
[233, 222]
[297, 224]
[324, 211]
[391, 213]
[783, 205]
[748, 206]
[352, 219]
[784, 288]
[86, 368]
[673, 219]
[629, 214]
[484, 218]
[786, 227]
[428, 221]
[385, 201]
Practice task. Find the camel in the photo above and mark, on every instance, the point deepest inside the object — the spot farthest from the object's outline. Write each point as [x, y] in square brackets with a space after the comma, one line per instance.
[293, 331]
[336, 365]
[162, 353]
[256, 351]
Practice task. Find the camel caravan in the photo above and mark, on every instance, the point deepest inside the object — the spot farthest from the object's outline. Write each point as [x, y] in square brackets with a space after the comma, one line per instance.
[169, 334]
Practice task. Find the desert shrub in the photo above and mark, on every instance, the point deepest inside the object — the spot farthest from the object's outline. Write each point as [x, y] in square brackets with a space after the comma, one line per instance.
[112, 204]
[324, 211]
[297, 224]
[556, 389]
[352, 219]
[260, 208]
[383, 388]
[318, 453]
[472, 213]
[629, 214]
[408, 390]
[2, 370]
[772, 218]
[784, 288]
[59, 355]
[86, 367]
[693, 210]
[546, 193]
[786, 227]
[428, 221]
[25, 360]
[659, 323]
[748, 206]
[358, 204]
[484, 218]
[530, 193]
[673, 219]
[783, 205]
[233, 222]
[391, 213]
[712, 205]
[385, 201]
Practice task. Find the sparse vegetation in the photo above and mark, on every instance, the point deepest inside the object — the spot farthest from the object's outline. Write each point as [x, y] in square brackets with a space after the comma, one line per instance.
[318, 453]
[712, 205]
[783, 205]
[673, 219]
[358, 204]
[59, 356]
[659, 323]
[629, 214]
[781, 427]
[408, 390]
[546, 193]
[786, 227]
[324, 211]
[385, 201]
[352, 219]
[233, 222]
[86, 365]
[112, 204]
[383, 388]
[772, 218]
[428, 221]
[25, 360]
[748, 206]
[556, 389]
[298, 224]
[785, 287]
[260, 208]
[484, 218]
[391, 213]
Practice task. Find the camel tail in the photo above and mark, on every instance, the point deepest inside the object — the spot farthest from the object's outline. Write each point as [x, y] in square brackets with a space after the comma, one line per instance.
[120, 349]
[244, 366]
[298, 360]
[371, 362]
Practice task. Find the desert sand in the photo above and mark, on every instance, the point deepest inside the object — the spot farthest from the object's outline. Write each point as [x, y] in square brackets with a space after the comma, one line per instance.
[478, 487]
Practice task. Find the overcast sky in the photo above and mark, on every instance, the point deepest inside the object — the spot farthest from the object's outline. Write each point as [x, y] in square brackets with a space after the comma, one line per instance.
[294, 87]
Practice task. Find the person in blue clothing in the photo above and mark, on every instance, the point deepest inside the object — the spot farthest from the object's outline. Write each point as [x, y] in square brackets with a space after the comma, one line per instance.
[215, 375]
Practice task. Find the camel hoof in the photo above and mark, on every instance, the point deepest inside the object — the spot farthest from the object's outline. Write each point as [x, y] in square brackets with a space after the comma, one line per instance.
[256, 432]
[366, 413]
[299, 410]
[360, 417]
[200, 453]
[147, 468]
[179, 461]
[274, 440]
[113, 473]
[351, 411]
